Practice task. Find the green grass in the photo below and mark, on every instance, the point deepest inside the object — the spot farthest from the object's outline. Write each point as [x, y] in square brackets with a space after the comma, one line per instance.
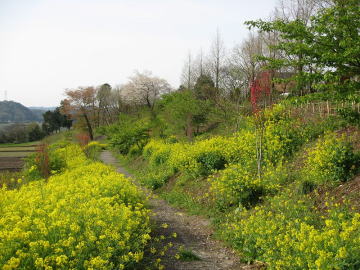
[15, 154]
[17, 148]
[4, 145]
[187, 255]
[68, 135]
[10, 179]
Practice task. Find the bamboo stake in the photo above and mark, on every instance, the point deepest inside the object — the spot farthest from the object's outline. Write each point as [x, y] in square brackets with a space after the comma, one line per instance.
[327, 107]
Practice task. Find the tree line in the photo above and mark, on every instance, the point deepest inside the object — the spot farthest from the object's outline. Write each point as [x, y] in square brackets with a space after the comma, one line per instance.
[305, 46]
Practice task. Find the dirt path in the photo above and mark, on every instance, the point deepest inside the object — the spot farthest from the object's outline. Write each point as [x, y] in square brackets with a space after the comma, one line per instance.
[193, 232]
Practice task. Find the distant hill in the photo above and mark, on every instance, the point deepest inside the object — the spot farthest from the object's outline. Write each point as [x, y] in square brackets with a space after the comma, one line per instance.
[44, 109]
[38, 111]
[14, 112]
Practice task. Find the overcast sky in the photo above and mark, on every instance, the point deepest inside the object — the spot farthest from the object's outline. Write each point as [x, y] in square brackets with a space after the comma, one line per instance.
[47, 46]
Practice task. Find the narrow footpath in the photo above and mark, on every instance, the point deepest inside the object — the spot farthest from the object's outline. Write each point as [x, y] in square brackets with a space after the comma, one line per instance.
[193, 233]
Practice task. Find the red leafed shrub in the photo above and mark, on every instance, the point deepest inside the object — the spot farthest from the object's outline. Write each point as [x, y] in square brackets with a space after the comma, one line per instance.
[260, 89]
[83, 139]
[42, 160]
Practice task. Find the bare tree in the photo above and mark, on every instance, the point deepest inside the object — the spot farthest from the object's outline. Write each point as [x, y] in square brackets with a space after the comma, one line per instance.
[299, 9]
[217, 59]
[245, 62]
[189, 73]
[200, 63]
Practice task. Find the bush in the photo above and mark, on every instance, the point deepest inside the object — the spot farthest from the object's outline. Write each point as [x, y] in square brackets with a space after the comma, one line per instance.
[350, 115]
[286, 234]
[240, 185]
[331, 161]
[128, 135]
[157, 177]
[135, 151]
[45, 162]
[86, 217]
[211, 162]
[93, 149]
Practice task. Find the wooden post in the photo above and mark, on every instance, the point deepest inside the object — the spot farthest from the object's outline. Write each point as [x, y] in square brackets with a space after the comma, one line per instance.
[313, 107]
[328, 108]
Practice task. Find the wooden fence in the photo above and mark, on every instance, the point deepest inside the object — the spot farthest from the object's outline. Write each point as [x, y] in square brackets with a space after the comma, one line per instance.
[324, 108]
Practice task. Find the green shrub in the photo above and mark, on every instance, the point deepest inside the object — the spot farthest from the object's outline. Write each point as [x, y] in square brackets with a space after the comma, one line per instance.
[210, 162]
[236, 185]
[281, 139]
[241, 185]
[45, 162]
[287, 234]
[157, 177]
[130, 135]
[350, 115]
[93, 149]
[331, 160]
[135, 151]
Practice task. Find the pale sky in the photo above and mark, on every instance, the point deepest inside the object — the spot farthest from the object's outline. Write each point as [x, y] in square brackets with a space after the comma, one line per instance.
[47, 46]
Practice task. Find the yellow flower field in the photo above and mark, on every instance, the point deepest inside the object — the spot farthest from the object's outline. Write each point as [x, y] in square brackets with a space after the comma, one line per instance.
[88, 217]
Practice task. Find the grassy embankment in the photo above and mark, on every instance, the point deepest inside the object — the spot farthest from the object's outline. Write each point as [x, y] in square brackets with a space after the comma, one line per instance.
[293, 208]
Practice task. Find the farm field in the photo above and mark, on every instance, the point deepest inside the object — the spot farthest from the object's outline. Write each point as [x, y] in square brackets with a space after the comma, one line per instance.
[12, 155]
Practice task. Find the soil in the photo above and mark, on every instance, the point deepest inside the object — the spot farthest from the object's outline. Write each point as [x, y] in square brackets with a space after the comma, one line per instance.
[11, 163]
[193, 233]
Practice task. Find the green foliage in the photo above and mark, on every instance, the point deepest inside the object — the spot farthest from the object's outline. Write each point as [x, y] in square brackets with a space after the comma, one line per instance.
[237, 185]
[48, 160]
[11, 179]
[324, 50]
[93, 149]
[156, 177]
[35, 133]
[240, 185]
[287, 234]
[187, 255]
[331, 160]
[210, 162]
[267, 216]
[350, 115]
[128, 133]
[53, 121]
[337, 27]
[21, 133]
[205, 88]
[182, 112]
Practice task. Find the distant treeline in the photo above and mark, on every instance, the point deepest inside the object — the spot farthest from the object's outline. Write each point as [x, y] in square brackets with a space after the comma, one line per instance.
[53, 121]
[21, 132]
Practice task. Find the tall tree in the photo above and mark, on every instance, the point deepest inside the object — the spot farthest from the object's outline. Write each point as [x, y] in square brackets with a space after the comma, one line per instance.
[245, 62]
[82, 102]
[217, 59]
[104, 97]
[336, 43]
[324, 50]
[145, 89]
[188, 76]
